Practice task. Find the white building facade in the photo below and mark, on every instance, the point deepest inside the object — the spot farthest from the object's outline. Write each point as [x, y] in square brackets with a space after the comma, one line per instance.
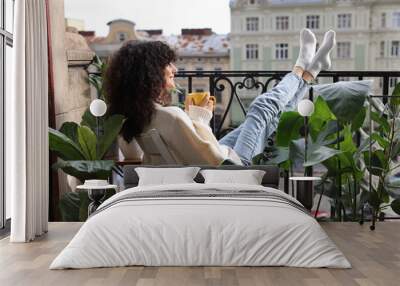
[265, 33]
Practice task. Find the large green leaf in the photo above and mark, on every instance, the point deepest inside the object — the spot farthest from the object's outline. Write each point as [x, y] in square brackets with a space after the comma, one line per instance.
[112, 127]
[383, 142]
[329, 134]
[395, 205]
[315, 154]
[88, 142]
[318, 154]
[342, 164]
[278, 155]
[89, 120]
[63, 146]
[359, 119]
[345, 99]
[347, 145]
[381, 120]
[70, 129]
[289, 128]
[86, 170]
[296, 151]
[320, 118]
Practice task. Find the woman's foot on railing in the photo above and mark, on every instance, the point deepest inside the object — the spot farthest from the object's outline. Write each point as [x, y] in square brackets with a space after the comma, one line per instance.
[308, 44]
[322, 60]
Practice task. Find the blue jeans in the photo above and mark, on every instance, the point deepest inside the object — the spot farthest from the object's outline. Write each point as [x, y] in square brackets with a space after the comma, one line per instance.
[249, 139]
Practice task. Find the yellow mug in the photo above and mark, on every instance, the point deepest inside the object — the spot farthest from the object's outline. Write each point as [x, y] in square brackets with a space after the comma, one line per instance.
[198, 97]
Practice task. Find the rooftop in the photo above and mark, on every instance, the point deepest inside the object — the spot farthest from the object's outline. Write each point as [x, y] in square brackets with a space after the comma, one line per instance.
[197, 44]
[121, 20]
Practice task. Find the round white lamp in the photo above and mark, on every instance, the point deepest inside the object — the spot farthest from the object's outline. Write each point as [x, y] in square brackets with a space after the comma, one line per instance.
[305, 107]
[98, 108]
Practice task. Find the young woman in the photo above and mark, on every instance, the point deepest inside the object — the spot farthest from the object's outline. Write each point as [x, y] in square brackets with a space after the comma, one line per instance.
[138, 82]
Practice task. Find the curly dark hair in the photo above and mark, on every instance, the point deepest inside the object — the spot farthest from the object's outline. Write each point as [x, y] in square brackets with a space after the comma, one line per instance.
[134, 80]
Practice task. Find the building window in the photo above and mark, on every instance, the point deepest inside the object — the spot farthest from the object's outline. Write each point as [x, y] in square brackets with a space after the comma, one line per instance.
[383, 20]
[282, 51]
[382, 49]
[396, 19]
[181, 69]
[282, 23]
[395, 49]
[218, 69]
[252, 2]
[122, 37]
[6, 65]
[392, 82]
[312, 22]
[343, 50]
[344, 21]
[252, 51]
[252, 24]
[199, 69]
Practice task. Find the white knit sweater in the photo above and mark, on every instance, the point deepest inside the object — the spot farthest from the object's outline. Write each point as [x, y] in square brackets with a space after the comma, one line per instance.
[188, 137]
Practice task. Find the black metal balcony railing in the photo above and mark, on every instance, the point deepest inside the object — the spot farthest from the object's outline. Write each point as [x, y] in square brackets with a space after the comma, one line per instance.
[261, 81]
[236, 81]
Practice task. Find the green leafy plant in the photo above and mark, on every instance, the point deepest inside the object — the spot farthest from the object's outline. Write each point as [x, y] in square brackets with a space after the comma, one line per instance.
[83, 147]
[96, 79]
[331, 130]
[336, 122]
[81, 151]
[382, 159]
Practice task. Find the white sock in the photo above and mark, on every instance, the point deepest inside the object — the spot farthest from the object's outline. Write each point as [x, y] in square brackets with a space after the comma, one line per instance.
[308, 44]
[322, 60]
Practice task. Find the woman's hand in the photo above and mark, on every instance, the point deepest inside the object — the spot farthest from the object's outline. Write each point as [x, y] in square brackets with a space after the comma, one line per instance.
[205, 103]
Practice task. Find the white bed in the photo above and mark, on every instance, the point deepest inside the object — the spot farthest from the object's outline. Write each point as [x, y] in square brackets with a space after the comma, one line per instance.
[248, 226]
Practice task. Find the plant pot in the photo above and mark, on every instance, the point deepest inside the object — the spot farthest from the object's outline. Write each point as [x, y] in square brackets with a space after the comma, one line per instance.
[130, 151]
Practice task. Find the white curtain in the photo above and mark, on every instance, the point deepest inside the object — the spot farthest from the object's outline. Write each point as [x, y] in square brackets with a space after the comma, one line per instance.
[27, 171]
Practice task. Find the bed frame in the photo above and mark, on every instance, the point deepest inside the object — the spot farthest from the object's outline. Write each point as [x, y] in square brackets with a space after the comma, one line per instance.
[270, 179]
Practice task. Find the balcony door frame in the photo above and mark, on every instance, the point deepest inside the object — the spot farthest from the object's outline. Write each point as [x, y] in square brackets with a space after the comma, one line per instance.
[6, 40]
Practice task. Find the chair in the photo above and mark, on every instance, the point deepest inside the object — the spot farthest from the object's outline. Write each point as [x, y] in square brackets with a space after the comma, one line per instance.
[154, 146]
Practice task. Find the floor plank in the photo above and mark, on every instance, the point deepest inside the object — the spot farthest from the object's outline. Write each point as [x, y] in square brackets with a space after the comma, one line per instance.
[375, 257]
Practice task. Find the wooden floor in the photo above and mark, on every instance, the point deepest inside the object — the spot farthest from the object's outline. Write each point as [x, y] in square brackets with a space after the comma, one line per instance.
[375, 257]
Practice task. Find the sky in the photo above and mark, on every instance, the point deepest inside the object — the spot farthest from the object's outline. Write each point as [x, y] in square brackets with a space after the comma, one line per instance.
[169, 15]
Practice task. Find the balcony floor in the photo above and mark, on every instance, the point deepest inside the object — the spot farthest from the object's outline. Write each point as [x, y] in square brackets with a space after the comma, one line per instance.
[375, 257]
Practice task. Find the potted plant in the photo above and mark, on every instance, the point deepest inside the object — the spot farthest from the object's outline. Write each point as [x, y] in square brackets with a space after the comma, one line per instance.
[382, 158]
[81, 148]
[356, 172]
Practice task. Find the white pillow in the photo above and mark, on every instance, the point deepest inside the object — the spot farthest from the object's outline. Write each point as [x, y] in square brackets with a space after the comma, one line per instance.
[248, 177]
[166, 176]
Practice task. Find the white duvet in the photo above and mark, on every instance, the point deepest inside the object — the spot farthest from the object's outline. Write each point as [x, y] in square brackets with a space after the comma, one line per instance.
[200, 231]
